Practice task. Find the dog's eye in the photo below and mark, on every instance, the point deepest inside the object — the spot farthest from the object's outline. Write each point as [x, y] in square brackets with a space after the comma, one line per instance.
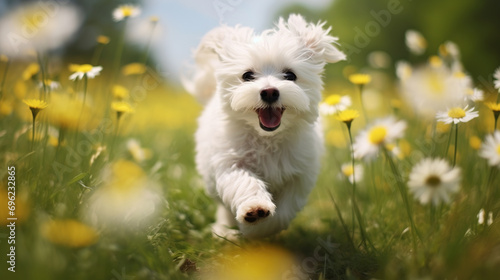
[248, 76]
[290, 76]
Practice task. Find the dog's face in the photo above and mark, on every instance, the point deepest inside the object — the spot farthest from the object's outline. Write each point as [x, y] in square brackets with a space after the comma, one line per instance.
[272, 81]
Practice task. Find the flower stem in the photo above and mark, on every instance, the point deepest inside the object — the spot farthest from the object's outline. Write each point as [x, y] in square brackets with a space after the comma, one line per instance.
[456, 144]
[355, 207]
[404, 196]
[97, 54]
[4, 78]
[33, 134]
[119, 51]
[44, 86]
[496, 114]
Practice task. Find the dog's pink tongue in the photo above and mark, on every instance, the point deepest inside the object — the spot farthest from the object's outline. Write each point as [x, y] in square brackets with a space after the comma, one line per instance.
[270, 117]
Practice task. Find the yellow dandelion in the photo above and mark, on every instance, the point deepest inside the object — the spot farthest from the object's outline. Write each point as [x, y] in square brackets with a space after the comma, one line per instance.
[122, 107]
[31, 71]
[347, 116]
[101, 39]
[264, 262]
[69, 233]
[133, 69]
[120, 92]
[495, 107]
[35, 105]
[360, 79]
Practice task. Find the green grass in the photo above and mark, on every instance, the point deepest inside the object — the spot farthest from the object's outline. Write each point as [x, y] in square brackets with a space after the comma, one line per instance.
[178, 244]
[59, 181]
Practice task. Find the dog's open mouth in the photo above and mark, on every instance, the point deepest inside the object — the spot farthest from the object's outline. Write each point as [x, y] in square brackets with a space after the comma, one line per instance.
[270, 118]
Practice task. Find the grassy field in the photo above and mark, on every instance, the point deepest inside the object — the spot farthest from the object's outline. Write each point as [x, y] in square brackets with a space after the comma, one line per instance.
[98, 181]
[91, 205]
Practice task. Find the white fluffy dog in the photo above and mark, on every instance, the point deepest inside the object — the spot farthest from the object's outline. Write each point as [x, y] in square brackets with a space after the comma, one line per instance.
[259, 142]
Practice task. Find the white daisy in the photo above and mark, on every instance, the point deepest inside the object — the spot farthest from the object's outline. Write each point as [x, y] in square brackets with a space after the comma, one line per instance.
[334, 103]
[449, 49]
[457, 115]
[434, 180]
[415, 42]
[53, 85]
[490, 149]
[41, 25]
[475, 95]
[497, 79]
[403, 70]
[380, 133]
[125, 11]
[431, 88]
[84, 69]
[348, 172]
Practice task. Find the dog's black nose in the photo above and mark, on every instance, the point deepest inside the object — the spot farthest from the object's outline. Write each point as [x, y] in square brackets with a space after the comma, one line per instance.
[269, 95]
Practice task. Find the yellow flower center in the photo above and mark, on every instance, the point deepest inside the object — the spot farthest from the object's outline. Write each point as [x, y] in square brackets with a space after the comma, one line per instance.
[433, 181]
[377, 135]
[84, 68]
[127, 11]
[498, 149]
[348, 170]
[333, 99]
[456, 113]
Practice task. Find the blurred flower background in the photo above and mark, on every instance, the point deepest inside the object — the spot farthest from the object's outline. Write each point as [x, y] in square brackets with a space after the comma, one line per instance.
[100, 132]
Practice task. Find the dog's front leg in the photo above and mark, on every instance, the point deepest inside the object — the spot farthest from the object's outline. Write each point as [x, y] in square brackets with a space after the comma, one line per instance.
[245, 194]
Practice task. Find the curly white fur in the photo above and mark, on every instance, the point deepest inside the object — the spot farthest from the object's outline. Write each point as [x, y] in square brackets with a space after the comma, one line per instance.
[258, 157]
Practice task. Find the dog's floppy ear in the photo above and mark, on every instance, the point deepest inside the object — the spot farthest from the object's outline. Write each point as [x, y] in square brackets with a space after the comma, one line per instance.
[313, 36]
[212, 50]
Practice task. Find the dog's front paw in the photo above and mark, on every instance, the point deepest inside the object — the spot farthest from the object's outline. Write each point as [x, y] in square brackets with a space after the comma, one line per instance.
[255, 210]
